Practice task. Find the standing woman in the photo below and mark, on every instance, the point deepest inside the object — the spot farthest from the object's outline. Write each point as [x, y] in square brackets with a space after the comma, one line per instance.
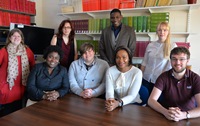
[16, 60]
[156, 59]
[123, 81]
[65, 38]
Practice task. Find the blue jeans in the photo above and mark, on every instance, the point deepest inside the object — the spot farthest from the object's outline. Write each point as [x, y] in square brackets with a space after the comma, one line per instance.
[148, 85]
[144, 95]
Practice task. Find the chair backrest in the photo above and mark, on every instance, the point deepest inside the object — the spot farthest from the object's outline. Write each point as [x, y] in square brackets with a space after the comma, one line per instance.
[144, 95]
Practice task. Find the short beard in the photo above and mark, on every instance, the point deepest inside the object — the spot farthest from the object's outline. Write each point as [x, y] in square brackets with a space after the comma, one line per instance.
[178, 71]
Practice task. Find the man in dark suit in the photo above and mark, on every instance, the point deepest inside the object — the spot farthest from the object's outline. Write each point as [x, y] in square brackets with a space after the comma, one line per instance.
[114, 36]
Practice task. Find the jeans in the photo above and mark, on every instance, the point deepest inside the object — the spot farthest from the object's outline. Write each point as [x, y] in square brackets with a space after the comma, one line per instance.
[148, 85]
[144, 95]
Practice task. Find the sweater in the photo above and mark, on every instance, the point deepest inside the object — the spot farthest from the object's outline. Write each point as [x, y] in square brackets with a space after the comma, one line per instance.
[17, 92]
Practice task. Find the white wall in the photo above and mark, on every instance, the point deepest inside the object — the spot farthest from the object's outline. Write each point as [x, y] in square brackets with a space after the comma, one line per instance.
[46, 13]
[47, 10]
[39, 13]
[195, 41]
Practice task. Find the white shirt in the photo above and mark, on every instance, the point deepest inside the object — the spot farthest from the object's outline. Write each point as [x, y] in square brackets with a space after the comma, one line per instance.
[129, 92]
[154, 61]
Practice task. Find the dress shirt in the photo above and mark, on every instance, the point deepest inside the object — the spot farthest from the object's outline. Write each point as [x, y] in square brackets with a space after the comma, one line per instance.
[154, 61]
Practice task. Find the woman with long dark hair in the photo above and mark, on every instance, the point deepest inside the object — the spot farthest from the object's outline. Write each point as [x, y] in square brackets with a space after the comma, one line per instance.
[65, 38]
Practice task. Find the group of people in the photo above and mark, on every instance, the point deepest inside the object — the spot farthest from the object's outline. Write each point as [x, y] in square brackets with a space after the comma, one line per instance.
[163, 81]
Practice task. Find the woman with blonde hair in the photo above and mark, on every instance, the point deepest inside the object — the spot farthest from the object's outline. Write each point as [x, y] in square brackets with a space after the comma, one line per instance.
[156, 59]
[16, 61]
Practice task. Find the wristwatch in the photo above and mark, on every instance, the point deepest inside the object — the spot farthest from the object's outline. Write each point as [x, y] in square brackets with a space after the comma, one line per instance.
[120, 103]
[187, 114]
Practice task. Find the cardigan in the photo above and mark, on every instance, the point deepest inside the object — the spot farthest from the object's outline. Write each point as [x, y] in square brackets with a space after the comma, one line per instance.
[80, 78]
[71, 53]
[17, 92]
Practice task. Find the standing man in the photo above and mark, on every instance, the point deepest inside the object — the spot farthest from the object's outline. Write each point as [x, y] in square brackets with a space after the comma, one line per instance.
[180, 88]
[114, 36]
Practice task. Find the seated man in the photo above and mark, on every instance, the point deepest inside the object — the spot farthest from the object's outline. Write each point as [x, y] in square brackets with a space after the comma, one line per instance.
[180, 88]
[87, 74]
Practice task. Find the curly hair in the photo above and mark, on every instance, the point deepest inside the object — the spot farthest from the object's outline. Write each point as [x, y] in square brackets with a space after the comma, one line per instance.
[53, 48]
[115, 10]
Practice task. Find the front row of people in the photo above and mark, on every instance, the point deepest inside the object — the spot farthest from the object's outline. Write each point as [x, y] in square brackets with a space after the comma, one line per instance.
[90, 77]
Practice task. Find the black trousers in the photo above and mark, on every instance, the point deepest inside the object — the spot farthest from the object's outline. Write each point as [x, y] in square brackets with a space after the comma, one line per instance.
[6, 109]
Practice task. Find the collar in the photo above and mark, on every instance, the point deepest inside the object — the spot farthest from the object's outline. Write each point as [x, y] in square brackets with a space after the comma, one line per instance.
[159, 43]
[93, 62]
[186, 75]
[118, 28]
[82, 62]
[90, 65]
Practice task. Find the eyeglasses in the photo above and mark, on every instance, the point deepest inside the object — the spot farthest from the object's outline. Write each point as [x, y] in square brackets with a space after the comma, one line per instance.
[66, 27]
[175, 60]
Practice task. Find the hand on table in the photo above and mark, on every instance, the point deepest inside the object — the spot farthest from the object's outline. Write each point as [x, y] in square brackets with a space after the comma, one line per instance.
[87, 93]
[111, 104]
[175, 114]
[51, 95]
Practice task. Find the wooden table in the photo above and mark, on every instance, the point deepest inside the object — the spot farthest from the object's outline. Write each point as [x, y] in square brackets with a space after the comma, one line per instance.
[74, 110]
